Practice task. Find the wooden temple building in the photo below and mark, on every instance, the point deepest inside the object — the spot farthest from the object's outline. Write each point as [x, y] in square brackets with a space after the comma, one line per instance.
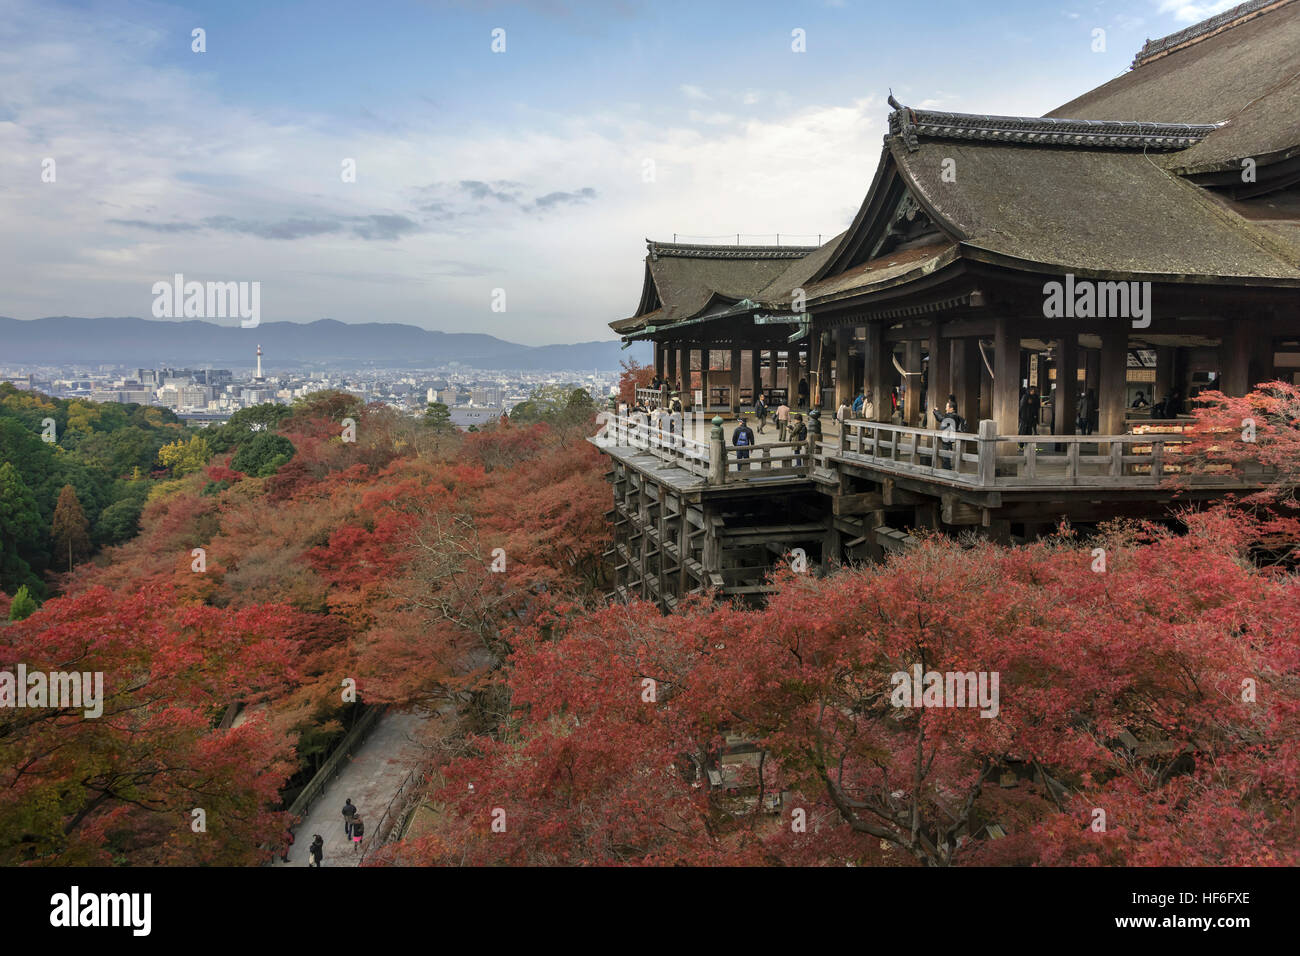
[1142, 237]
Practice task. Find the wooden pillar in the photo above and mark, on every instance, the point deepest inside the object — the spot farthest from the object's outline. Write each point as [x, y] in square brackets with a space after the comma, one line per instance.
[734, 397]
[986, 383]
[1006, 374]
[772, 381]
[843, 370]
[940, 377]
[706, 358]
[1112, 382]
[1234, 357]
[661, 358]
[822, 380]
[672, 367]
[969, 369]
[1164, 373]
[797, 372]
[878, 371]
[755, 374]
[1065, 402]
[912, 395]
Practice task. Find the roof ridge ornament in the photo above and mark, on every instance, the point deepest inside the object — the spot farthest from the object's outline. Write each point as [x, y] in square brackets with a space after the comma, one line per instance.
[701, 251]
[1154, 49]
[911, 124]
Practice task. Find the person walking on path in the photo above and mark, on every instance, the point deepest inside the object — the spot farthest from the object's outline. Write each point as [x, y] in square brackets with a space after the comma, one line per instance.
[316, 850]
[743, 439]
[760, 409]
[782, 421]
[349, 814]
[358, 828]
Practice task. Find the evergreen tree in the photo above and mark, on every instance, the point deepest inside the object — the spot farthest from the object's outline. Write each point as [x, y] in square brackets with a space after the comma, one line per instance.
[20, 528]
[70, 531]
[23, 606]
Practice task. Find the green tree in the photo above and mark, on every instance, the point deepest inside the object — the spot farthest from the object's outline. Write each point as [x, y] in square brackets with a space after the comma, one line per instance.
[438, 416]
[23, 606]
[20, 529]
[118, 522]
[263, 454]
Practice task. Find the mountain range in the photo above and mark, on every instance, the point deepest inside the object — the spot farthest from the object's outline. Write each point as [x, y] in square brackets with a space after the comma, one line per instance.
[63, 340]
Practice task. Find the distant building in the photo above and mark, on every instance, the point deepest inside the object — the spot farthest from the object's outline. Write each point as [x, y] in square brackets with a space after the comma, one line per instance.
[463, 416]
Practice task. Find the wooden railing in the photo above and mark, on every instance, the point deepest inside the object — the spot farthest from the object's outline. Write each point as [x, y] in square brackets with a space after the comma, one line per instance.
[659, 433]
[652, 397]
[759, 462]
[991, 461]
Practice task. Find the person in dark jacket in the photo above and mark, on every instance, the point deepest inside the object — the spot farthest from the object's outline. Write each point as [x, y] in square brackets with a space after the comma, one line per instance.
[803, 393]
[349, 814]
[760, 409]
[1030, 407]
[799, 433]
[1087, 408]
[316, 851]
[358, 828]
[948, 422]
[743, 439]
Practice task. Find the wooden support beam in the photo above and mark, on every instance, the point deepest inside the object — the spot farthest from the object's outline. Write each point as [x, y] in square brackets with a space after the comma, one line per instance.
[1006, 374]
[967, 368]
[893, 496]
[1065, 401]
[912, 395]
[734, 396]
[843, 369]
[857, 504]
[879, 371]
[755, 374]
[957, 512]
[1113, 382]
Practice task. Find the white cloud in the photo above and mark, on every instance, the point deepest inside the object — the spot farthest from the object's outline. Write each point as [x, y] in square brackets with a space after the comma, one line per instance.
[692, 92]
[1194, 12]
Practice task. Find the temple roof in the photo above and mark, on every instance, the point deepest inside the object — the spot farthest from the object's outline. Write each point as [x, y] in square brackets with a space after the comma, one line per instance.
[1240, 69]
[683, 280]
[1097, 187]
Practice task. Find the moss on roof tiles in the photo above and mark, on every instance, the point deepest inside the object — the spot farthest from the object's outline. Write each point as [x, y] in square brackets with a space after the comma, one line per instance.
[1088, 210]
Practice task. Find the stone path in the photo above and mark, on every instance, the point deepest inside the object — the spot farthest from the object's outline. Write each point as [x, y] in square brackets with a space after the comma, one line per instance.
[370, 779]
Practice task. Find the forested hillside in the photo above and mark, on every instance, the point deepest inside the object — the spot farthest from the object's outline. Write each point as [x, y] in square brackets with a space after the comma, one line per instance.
[1148, 706]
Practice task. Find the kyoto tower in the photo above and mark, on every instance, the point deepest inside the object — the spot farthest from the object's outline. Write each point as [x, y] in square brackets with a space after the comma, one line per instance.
[259, 363]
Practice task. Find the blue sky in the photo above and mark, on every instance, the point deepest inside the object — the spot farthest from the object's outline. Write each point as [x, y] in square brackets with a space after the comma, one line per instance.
[523, 170]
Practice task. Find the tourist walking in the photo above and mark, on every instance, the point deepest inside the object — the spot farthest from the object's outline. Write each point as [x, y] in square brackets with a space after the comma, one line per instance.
[760, 409]
[316, 851]
[859, 400]
[743, 439]
[349, 814]
[782, 421]
[842, 415]
[358, 828]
